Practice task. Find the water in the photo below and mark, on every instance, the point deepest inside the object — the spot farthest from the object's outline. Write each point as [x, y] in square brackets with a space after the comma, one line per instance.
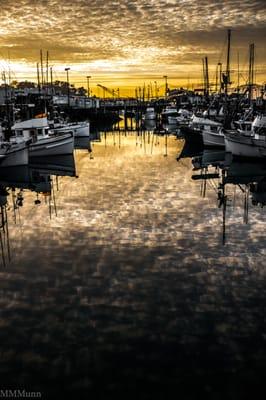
[129, 279]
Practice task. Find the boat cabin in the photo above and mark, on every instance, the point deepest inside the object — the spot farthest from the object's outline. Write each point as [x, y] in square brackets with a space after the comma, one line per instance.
[32, 129]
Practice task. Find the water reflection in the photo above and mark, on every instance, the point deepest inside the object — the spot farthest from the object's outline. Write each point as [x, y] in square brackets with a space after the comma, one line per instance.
[228, 178]
[39, 177]
[131, 285]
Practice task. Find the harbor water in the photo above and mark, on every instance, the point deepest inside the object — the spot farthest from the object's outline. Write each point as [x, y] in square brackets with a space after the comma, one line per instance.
[133, 280]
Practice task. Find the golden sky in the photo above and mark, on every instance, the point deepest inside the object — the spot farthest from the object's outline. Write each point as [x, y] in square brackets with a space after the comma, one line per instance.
[124, 43]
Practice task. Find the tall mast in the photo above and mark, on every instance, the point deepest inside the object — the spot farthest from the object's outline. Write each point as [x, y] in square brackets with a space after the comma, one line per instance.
[204, 76]
[251, 70]
[38, 78]
[238, 72]
[47, 70]
[207, 76]
[227, 81]
[42, 80]
[51, 77]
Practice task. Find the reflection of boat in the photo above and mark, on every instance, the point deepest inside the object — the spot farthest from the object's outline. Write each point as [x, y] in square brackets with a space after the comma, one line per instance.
[24, 177]
[245, 172]
[12, 154]
[150, 125]
[43, 143]
[36, 176]
[63, 165]
[211, 157]
[258, 193]
[218, 171]
[82, 143]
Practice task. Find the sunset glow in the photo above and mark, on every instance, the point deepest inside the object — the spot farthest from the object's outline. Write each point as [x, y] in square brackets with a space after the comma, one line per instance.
[128, 43]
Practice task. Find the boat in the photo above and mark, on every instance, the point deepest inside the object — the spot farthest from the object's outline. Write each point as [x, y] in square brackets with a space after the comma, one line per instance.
[193, 131]
[79, 129]
[42, 141]
[183, 117]
[150, 114]
[213, 134]
[14, 154]
[169, 111]
[252, 145]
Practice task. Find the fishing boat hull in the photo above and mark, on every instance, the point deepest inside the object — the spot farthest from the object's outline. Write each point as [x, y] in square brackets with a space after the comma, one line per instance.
[52, 146]
[245, 146]
[172, 120]
[192, 136]
[211, 139]
[150, 117]
[80, 130]
[16, 155]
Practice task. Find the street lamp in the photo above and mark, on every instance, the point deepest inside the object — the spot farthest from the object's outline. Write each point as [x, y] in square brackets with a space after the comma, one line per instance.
[88, 85]
[166, 85]
[68, 98]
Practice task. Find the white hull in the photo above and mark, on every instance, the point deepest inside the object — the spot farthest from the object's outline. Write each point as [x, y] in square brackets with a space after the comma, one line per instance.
[80, 130]
[172, 120]
[245, 146]
[53, 146]
[16, 156]
[212, 139]
[166, 116]
[150, 117]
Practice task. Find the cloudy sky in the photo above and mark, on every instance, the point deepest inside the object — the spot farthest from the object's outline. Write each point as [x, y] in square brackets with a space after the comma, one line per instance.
[127, 42]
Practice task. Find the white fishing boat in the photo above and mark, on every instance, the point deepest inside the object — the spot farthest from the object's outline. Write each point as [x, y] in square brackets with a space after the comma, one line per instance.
[79, 129]
[243, 127]
[251, 145]
[213, 134]
[183, 117]
[169, 111]
[42, 141]
[150, 114]
[203, 131]
[13, 154]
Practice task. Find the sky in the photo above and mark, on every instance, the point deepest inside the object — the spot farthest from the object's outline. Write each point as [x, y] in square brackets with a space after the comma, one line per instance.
[126, 43]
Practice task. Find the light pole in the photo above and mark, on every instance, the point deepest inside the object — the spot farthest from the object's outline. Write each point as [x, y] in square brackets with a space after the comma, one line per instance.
[68, 98]
[166, 85]
[88, 85]
[156, 89]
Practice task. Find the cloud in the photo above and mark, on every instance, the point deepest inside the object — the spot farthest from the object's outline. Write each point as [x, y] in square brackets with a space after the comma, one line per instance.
[141, 34]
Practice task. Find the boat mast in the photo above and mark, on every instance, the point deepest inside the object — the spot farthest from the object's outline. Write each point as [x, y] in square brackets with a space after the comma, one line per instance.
[227, 80]
[38, 77]
[42, 80]
[251, 71]
[207, 76]
[47, 69]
